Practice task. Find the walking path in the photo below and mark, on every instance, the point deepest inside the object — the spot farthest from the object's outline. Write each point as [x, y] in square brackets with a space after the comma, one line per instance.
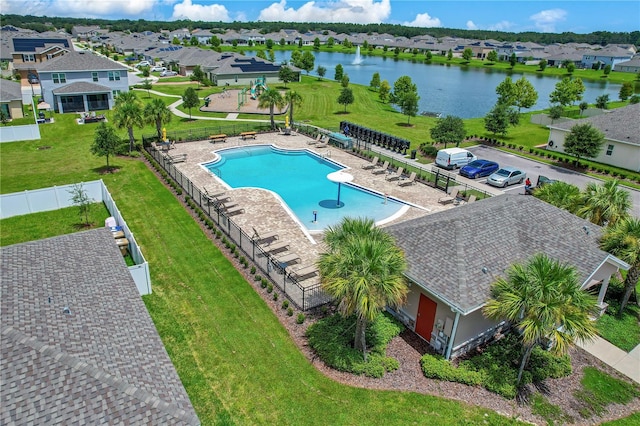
[626, 363]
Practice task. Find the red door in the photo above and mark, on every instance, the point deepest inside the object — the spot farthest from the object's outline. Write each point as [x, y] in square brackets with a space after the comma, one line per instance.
[426, 317]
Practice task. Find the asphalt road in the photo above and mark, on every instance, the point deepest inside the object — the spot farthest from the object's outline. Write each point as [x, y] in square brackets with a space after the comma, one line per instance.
[534, 169]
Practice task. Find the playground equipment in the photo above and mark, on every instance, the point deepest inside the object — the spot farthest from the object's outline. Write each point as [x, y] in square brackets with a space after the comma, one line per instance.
[242, 98]
[258, 86]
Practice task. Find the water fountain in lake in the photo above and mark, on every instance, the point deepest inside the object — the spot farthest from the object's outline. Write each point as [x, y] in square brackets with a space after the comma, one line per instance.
[358, 59]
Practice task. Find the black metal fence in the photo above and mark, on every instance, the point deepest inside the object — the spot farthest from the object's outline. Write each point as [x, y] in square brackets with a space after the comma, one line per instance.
[303, 297]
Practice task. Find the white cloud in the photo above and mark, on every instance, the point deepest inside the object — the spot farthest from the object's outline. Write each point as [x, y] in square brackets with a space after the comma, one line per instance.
[79, 8]
[199, 12]
[471, 25]
[103, 8]
[501, 26]
[358, 11]
[424, 20]
[546, 20]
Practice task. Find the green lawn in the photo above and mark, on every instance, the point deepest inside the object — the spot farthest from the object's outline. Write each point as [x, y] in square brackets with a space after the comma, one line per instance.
[236, 361]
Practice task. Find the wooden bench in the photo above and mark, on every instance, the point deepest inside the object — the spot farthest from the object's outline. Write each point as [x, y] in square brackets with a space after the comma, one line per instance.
[218, 138]
[248, 135]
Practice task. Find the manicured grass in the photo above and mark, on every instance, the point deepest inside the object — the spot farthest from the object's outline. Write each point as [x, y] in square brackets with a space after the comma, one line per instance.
[551, 413]
[632, 420]
[624, 332]
[36, 226]
[600, 390]
[235, 359]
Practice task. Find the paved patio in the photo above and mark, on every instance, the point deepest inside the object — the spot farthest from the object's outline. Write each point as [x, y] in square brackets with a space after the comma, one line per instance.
[266, 213]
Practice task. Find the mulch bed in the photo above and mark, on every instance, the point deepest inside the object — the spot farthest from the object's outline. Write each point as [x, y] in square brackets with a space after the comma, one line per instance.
[408, 348]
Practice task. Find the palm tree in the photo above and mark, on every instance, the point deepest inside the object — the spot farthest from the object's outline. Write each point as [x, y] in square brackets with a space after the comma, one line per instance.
[363, 269]
[292, 98]
[604, 204]
[271, 98]
[156, 112]
[623, 241]
[543, 300]
[560, 194]
[128, 113]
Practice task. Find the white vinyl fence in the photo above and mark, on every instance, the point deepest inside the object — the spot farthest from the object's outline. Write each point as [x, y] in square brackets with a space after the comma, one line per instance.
[28, 132]
[58, 197]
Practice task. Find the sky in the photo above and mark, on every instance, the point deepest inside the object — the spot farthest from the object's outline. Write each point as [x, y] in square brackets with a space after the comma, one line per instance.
[578, 16]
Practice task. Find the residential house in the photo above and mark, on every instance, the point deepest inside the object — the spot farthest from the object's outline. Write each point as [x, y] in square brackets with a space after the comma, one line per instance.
[235, 70]
[29, 52]
[81, 82]
[82, 32]
[598, 59]
[632, 65]
[453, 257]
[622, 136]
[77, 345]
[203, 36]
[11, 99]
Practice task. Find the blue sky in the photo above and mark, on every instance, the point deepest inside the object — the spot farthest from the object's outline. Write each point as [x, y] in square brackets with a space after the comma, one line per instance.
[579, 16]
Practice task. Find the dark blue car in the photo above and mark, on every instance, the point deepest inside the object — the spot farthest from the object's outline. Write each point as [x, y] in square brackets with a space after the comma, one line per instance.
[479, 168]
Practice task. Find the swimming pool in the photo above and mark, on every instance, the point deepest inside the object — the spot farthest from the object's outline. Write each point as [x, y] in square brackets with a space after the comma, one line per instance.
[299, 177]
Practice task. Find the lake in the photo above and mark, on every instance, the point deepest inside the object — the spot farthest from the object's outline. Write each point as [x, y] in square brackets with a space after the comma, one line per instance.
[466, 92]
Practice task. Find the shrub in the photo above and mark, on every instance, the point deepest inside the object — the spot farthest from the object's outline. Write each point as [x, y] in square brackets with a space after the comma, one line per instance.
[285, 304]
[275, 296]
[436, 367]
[257, 277]
[300, 319]
[218, 234]
[232, 247]
[264, 283]
[290, 311]
[253, 270]
[332, 339]
[269, 288]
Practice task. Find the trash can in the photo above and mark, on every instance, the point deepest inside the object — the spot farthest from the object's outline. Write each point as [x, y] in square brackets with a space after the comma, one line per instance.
[123, 244]
[413, 154]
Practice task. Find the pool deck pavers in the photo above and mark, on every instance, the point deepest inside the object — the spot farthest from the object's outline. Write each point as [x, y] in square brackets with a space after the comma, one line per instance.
[265, 212]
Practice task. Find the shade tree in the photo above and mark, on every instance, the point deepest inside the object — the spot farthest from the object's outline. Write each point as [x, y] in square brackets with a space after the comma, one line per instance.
[583, 140]
[105, 142]
[346, 97]
[190, 99]
[448, 130]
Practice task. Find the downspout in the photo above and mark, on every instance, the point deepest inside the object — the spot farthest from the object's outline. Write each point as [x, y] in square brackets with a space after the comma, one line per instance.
[453, 335]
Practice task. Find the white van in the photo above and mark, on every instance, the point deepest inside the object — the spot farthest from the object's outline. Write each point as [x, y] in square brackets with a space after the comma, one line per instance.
[453, 158]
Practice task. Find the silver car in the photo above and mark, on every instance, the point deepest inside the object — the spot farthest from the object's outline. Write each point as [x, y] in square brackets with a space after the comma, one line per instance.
[506, 176]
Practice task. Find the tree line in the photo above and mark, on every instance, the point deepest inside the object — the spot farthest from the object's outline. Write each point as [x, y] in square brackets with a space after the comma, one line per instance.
[46, 23]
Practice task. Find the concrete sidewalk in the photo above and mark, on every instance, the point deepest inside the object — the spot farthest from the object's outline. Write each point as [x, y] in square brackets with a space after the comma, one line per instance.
[626, 363]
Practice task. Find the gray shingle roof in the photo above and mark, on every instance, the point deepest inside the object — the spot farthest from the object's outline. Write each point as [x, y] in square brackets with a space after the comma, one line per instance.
[80, 61]
[10, 91]
[102, 363]
[620, 124]
[446, 251]
[81, 87]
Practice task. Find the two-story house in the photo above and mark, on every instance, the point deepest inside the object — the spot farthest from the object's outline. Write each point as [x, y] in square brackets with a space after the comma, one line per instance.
[82, 82]
[29, 53]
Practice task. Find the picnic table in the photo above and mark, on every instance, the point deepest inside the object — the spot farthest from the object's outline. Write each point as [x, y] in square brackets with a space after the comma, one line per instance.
[248, 135]
[218, 138]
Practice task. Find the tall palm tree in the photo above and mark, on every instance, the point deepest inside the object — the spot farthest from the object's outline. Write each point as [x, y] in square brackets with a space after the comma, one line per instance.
[623, 241]
[156, 112]
[292, 98]
[604, 204]
[363, 269]
[543, 300]
[560, 194]
[128, 114]
[271, 98]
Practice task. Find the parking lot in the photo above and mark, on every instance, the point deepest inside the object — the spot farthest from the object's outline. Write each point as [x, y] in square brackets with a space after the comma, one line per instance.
[533, 169]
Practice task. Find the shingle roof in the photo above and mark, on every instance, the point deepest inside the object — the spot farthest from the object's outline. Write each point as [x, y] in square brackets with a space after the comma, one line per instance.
[101, 363]
[620, 124]
[10, 91]
[81, 87]
[446, 251]
[80, 61]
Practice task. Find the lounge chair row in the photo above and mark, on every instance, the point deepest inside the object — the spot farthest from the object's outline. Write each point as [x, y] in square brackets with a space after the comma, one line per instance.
[223, 203]
[178, 158]
[281, 257]
[398, 175]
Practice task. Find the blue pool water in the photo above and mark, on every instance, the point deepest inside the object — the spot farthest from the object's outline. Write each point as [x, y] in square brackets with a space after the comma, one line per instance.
[300, 179]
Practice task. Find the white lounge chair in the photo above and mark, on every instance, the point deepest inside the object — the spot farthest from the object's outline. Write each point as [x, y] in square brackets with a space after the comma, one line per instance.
[449, 198]
[382, 169]
[397, 175]
[409, 181]
[372, 165]
[261, 238]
